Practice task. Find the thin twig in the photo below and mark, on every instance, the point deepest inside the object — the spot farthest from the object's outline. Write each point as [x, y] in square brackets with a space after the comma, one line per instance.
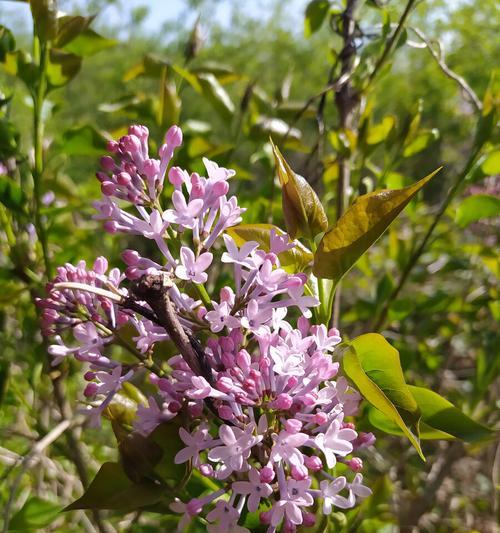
[28, 461]
[391, 43]
[438, 55]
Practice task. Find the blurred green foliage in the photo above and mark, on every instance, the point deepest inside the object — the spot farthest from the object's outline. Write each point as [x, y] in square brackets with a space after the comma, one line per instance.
[231, 87]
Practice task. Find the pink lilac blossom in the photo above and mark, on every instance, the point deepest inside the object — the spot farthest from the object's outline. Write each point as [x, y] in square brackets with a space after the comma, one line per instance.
[268, 414]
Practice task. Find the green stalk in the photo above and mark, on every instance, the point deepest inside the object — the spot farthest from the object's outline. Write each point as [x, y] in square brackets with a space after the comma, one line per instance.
[205, 298]
[38, 128]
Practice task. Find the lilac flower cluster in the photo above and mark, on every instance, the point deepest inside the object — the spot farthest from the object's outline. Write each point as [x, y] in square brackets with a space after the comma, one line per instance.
[268, 412]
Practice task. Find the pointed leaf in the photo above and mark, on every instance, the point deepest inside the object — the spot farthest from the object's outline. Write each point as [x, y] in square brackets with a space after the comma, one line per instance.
[359, 227]
[442, 415]
[44, 14]
[316, 12]
[83, 140]
[216, 94]
[298, 258]
[112, 489]
[88, 43]
[373, 365]
[303, 212]
[70, 27]
[7, 42]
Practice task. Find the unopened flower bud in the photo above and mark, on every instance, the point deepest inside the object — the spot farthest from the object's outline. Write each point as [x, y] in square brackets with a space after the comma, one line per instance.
[206, 470]
[299, 472]
[313, 462]
[266, 474]
[355, 464]
[282, 402]
[293, 425]
[174, 137]
[176, 176]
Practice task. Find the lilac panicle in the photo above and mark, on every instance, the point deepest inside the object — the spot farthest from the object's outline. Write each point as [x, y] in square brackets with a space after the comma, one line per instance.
[269, 414]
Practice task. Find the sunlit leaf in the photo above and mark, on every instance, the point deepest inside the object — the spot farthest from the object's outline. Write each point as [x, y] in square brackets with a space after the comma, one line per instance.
[373, 365]
[316, 12]
[377, 133]
[34, 515]
[302, 209]
[88, 43]
[70, 26]
[442, 415]
[488, 118]
[477, 207]
[491, 164]
[189, 77]
[298, 258]
[217, 96]
[150, 66]
[112, 489]
[224, 73]
[170, 105]
[384, 423]
[359, 227]
[420, 142]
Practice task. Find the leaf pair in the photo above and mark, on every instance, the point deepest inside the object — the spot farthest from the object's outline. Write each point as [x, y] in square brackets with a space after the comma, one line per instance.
[373, 365]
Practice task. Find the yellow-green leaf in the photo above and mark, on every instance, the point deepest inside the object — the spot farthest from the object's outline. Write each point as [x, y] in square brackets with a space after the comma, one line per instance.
[442, 415]
[359, 227]
[217, 96]
[297, 259]
[477, 207]
[373, 365]
[303, 212]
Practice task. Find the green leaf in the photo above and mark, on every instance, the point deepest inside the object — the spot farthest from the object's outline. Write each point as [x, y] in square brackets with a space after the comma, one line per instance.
[213, 91]
[112, 489]
[83, 140]
[373, 365]
[316, 12]
[170, 105]
[442, 415]
[224, 73]
[11, 195]
[7, 42]
[477, 207]
[151, 66]
[377, 133]
[189, 77]
[303, 212]
[359, 227]
[88, 43]
[34, 514]
[70, 27]
[297, 259]
[491, 164]
[420, 142]
[487, 120]
[44, 14]
[380, 421]
[19, 63]
[62, 68]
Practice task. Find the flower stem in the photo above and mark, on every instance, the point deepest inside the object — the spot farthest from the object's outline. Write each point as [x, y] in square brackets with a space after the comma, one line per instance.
[205, 298]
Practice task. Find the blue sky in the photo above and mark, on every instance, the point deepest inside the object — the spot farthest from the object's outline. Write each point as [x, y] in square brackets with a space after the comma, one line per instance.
[160, 11]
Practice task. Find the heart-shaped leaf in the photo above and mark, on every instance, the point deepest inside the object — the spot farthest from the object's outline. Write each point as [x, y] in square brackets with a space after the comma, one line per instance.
[359, 227]
[303, 212]
[373, 365]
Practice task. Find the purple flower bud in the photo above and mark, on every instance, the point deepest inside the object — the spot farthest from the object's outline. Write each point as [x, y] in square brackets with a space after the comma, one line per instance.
[206, 470]
[313, 462]
[243, 360]
[225, 412]
[108, 188]
[89, 376]
[282, 402]
[130, 143]
[91, 389]
[320, 418]
[100, 265]
[194, 507]
[110, 226]
[123, 178]
[130, 257]
[176, 176]
[308, 519]
[151, 168]
[139, 131]
[102, 176]
[107, 163]
[266, 474]
[174, 136]
[299, 472]
[112, 146]
[293, 425]
[265, 517]
[220, 188]
[355, 464]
